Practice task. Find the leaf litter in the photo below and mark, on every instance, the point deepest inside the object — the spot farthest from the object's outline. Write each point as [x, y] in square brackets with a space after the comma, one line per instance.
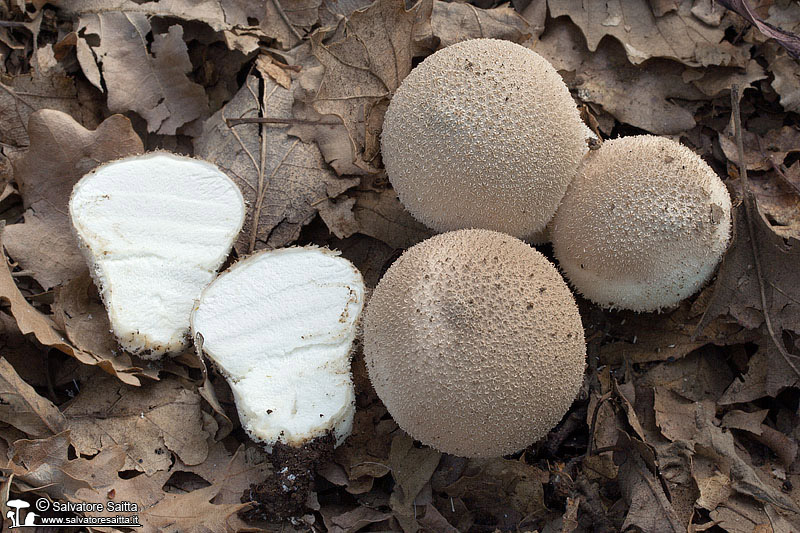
[687, 420]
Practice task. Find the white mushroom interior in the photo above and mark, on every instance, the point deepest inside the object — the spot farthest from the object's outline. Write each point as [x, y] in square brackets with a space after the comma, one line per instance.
[154, 229]
[280, 326]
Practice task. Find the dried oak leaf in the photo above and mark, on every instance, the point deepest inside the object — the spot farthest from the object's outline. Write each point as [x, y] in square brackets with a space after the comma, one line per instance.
[737, 290]
[639, 338]
[22, 95]
[60, 153]
[658, 96]
[195, 511]
[767, 375]
[365, 66]
[43, 465]
[232, 473]
[282, 178]
[149, 80]
[340, 519]
[152, 421]
[29, 320]
[758, 150]
[24, 409]
[505, 490]
[786, 80]
[380, 215]
[650, 510]
[787, 39]
[453, 22]
[677, 34]
[412, 469]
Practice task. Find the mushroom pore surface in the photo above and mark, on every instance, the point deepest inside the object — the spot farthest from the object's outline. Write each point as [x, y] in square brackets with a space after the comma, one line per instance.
[482, 134]
[474, 343]
[643, 225]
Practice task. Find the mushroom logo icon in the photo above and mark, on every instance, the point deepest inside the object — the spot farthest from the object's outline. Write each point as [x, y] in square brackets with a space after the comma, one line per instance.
[14, 515]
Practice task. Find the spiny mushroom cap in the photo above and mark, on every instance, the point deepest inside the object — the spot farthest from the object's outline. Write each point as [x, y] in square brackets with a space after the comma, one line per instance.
[643, 225]
[482, 134]
[280, 325]
[154, 229]
[474, 343]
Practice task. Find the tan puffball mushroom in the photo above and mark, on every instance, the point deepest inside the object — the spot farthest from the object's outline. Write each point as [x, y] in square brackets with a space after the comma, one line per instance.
[643, 225]
[474, 343]
[482, 134]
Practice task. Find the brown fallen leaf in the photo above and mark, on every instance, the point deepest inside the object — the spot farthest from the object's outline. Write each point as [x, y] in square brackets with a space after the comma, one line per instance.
[654, 96]
[149, 80]
[43, 465]
[737, 291]
[639, 338]
[453, 22]
[504, 490]
[22, 95]
[60, 153]
[767, 375]
[24, 409]
[29, 320]
[649, 508]
[365, 67]
[411, 468]
[775, 145]
[152, 421]
[677, 34]
[380, 215]
[786, 82]
[232, 473]
[339, 520]
[788, 40]
[282, 178]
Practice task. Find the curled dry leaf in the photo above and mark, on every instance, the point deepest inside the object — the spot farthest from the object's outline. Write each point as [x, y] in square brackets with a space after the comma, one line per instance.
[737, 292]
[60, 153]
[453, 22]
[282, 178]
[365, 67]
[677, 34]
[151, 81]
[412, 469]
[24, 409]
[658, 96]
[152, 421]
[22, 95]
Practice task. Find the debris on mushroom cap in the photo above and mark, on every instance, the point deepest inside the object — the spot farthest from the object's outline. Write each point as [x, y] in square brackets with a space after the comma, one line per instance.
[474, 343]
[280, 325]
[643, 225]
[154, 229]
[482, 134]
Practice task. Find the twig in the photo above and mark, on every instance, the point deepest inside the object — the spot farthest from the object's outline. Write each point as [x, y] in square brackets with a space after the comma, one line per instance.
[749, 202]
[605, 397]
[231, 122]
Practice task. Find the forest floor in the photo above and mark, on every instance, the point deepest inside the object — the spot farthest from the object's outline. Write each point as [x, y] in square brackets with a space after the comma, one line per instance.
[687, 420]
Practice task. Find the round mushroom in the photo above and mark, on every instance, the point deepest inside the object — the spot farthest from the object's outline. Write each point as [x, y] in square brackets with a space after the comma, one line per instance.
[643, 225]
[483, 134]
[474, 343]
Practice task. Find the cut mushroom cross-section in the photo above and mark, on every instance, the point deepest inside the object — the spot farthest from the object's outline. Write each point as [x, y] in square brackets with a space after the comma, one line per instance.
[154, 229]
[280, 325]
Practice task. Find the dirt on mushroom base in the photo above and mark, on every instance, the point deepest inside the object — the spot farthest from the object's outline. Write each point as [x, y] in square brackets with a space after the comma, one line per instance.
[284, 495]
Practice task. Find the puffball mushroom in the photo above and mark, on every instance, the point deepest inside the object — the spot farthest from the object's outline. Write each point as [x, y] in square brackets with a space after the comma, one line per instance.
[280, 325]
[474, 343]
[154, 229]
[482, 134]
[643, 225]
